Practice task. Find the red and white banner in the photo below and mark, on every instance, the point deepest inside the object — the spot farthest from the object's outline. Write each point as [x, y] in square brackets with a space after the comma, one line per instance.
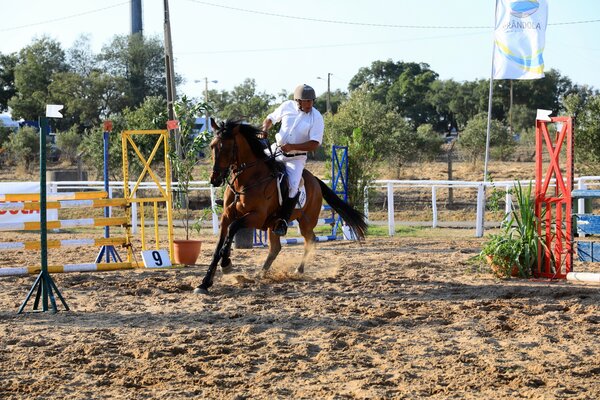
[12, 216]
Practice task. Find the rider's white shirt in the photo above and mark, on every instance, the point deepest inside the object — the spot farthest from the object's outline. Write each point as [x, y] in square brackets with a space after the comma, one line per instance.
[297, 126]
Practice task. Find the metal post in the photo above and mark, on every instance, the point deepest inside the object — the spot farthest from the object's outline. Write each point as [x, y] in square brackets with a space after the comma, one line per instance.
[328, 93]
[107, 251]
[46, 288]
[390, 198]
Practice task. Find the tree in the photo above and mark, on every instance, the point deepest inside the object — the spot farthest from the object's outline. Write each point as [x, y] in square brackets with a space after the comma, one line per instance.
[140, 61]
[23, 147]
[36, 67]
[455, 103]
[336, 98]
[472, 139]
[408, 96]
[87, 98]
[586, 130]
[547, 93]
[379, 77]
[8, 63]
[428, 142]
[244, 102]
[68, 143]
[372, 134]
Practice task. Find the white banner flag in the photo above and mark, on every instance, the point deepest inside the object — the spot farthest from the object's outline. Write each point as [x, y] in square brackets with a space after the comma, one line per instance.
[520, 39]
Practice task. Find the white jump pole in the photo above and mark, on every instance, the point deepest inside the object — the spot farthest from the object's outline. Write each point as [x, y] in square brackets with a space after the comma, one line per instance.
[584, 277]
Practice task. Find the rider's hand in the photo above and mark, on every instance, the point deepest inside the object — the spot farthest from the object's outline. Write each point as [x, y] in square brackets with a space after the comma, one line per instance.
[286, 148]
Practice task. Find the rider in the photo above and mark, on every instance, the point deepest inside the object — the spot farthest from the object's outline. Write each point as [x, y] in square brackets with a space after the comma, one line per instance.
[301, 131]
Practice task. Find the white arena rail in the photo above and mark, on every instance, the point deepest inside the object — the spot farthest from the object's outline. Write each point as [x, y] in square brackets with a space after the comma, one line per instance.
[392, 188]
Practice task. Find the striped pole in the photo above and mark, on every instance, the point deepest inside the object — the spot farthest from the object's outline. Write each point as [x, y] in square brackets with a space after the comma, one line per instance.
[53, 244]
[67, 223]
[52, 196]
[301, 240]
[90, 267]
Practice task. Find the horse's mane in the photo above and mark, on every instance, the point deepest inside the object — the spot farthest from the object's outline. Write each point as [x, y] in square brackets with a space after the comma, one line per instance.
[250, 133]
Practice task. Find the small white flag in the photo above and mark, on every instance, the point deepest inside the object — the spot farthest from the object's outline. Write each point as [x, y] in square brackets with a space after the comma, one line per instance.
[53, 110]
[543, 115]
[520, 39]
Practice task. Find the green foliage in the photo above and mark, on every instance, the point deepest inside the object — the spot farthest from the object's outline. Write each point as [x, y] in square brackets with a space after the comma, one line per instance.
[8, 63]
[519, 241]
[23, 147]
[587, 130]
[372, 135]
[472, 139]
[494, 198]
[191, 146]
[336, 98]
[92, 146]
[429, 143]
[68, 143]
[244, 102]
[140, 60]
[34, 71]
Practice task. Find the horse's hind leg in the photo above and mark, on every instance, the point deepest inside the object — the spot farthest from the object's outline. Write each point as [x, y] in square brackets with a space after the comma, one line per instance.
[309, 245]
[274, 249]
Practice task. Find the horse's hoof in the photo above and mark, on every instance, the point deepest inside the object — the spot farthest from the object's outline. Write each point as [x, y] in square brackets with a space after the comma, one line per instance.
[201, 290]
[227, 270]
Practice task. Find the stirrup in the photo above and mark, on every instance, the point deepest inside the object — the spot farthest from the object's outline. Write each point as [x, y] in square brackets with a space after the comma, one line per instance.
[281, 227]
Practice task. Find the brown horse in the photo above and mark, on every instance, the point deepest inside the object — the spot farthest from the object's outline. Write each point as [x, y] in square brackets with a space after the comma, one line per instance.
[251, 199]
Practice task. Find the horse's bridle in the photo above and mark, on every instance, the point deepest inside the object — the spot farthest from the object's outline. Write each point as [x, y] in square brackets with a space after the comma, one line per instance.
[239, 167]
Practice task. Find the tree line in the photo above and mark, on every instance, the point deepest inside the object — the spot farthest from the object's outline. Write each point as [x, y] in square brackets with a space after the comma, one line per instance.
[393, 112]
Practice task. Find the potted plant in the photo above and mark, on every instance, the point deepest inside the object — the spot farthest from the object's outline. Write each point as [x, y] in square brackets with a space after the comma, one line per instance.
[514, 251]
[184, 157]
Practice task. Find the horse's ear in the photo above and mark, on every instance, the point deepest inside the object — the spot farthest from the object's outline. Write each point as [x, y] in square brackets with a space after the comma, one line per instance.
[213, 124]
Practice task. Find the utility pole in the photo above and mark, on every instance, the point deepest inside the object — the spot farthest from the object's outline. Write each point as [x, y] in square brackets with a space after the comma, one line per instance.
[170, 75]
[328, 97]
[328, 93]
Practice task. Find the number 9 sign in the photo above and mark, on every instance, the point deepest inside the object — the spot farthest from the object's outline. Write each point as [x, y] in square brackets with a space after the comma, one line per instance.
[156, 258]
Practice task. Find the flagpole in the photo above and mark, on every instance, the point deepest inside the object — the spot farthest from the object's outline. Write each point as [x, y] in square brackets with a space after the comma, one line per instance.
[481, 195]
[489, 116]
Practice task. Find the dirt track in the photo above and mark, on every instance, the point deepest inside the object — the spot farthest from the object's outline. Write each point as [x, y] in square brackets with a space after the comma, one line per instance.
[395, 318]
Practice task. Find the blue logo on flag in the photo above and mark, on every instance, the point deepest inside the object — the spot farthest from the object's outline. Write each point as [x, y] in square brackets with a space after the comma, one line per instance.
[523, 9]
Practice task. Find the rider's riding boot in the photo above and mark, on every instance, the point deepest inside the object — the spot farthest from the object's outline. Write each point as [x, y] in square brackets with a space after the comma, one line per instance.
[287, 208]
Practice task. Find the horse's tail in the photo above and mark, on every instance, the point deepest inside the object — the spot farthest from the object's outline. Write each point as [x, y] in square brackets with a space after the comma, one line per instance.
[355, 219]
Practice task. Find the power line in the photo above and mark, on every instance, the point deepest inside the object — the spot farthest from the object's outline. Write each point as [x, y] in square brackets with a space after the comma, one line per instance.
[14, 28]
[329, 21]
[325, 46]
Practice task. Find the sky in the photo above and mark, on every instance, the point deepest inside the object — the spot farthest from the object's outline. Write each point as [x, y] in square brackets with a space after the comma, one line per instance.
[282, 43]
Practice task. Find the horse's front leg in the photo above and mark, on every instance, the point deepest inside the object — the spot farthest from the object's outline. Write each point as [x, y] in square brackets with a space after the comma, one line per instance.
[274, 249]
[226, 264]
[222, 250]
[208, 278]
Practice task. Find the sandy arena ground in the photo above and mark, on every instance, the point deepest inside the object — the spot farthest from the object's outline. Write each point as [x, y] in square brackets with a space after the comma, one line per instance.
[395, 318]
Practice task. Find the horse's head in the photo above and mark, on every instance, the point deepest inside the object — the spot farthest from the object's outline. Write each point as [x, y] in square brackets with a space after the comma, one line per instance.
[235, 145]
[223, 149]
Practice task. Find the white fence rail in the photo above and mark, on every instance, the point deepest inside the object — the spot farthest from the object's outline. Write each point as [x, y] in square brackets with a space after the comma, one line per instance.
[393, 189]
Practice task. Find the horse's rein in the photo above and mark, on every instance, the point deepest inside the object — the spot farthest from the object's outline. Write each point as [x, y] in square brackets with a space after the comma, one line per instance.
[241, 167]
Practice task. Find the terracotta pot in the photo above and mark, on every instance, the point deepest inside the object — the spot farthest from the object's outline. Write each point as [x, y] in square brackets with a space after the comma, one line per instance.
[498, 270]
[186, 251]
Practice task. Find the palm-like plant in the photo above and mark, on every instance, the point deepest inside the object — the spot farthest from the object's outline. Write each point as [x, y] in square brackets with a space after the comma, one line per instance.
[519, 242]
